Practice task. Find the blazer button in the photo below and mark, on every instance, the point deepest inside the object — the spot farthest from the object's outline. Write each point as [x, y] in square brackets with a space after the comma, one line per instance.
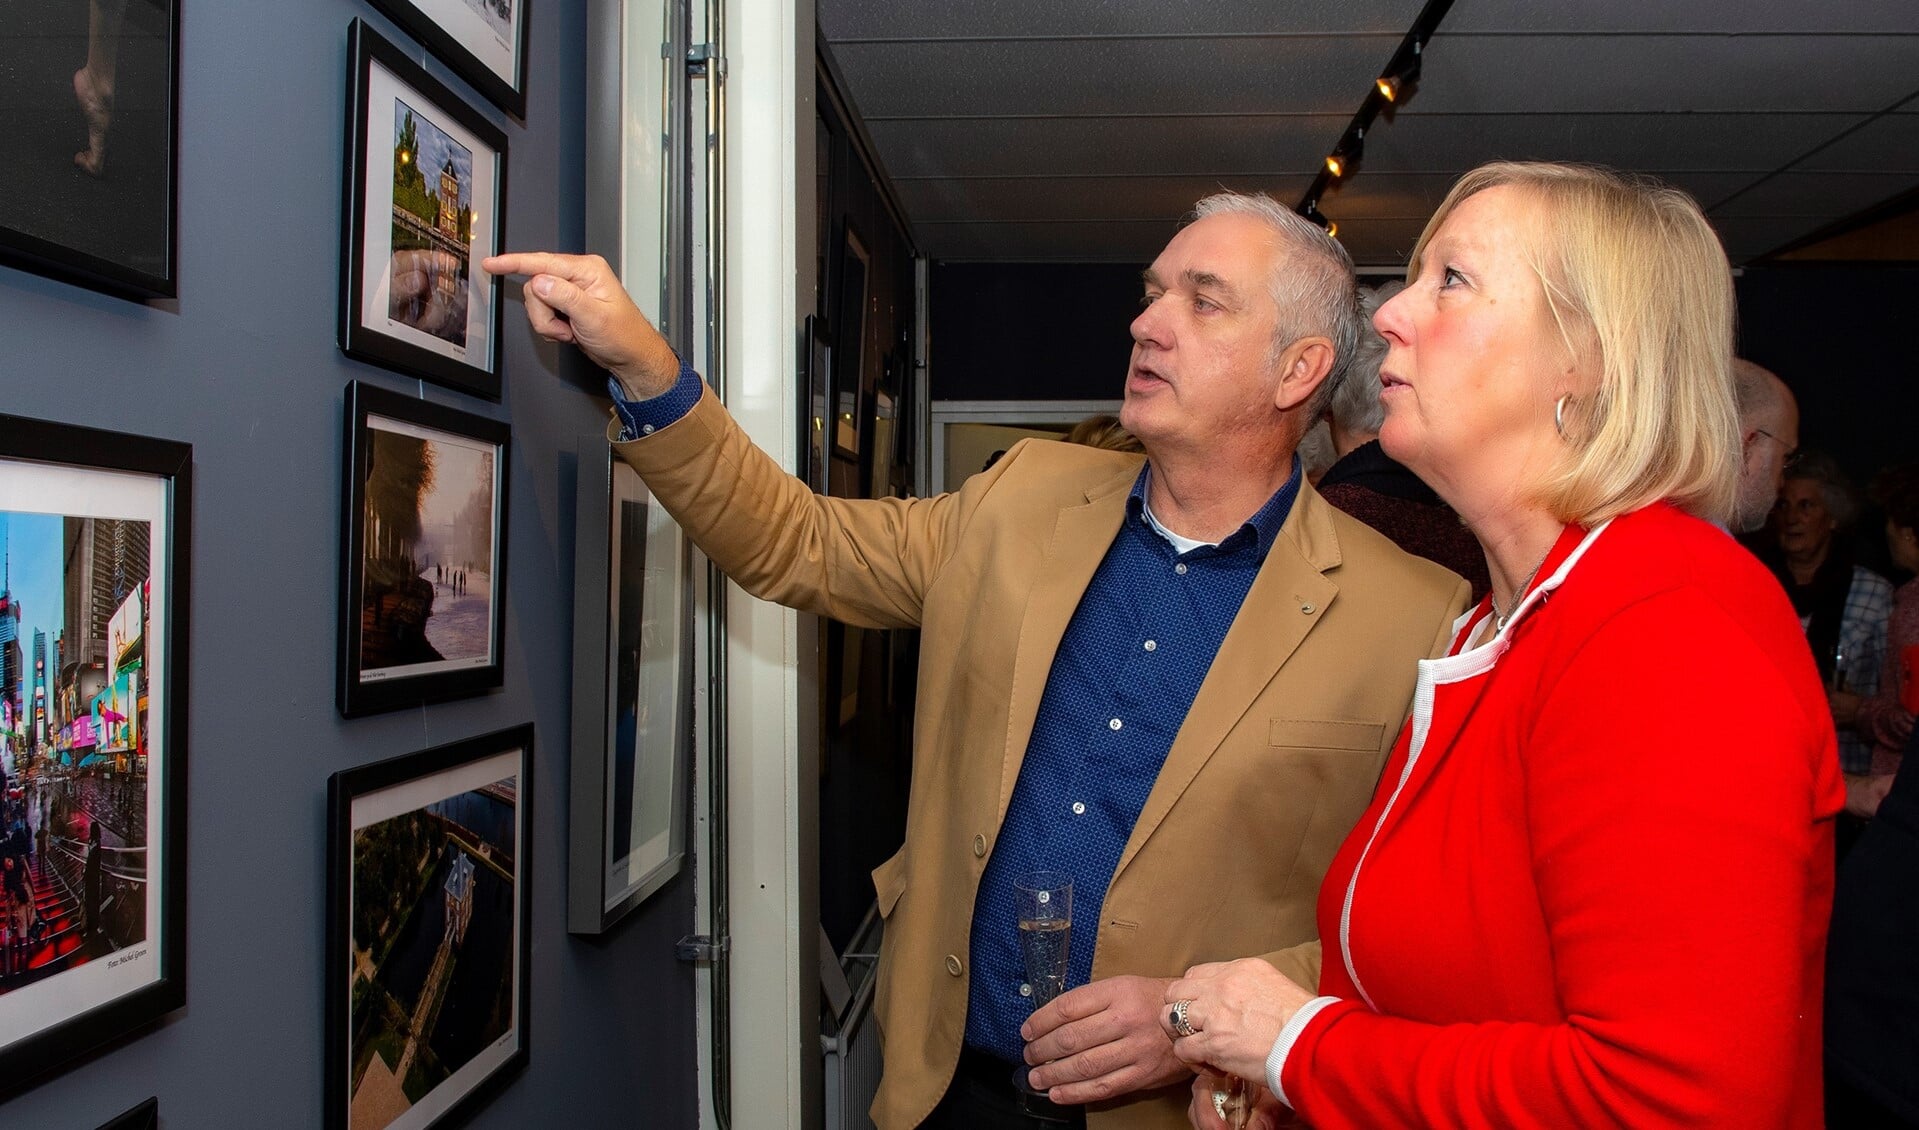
[1307, 608]
[953, 965]
[979, 846]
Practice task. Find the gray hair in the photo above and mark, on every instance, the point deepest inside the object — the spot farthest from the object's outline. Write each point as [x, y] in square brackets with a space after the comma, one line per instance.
[1314, 288]
[1757, 391]
[1842, 501]
[1355, 404]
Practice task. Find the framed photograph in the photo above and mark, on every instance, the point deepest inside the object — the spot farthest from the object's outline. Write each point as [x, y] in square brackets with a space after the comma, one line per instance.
[484, 41]
[632, 695]
[816, 363]
[428, 932]
[93, 638]
[850, 347]
[146, 1116]
[423, 553]
[88, 158]
[425, 202]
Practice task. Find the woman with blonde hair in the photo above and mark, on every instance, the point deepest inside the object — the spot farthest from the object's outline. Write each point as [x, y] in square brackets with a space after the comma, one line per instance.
[1592, 887]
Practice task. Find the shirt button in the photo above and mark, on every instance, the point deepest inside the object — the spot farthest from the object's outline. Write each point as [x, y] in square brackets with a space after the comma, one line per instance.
[953, 965]
[1025, 990]
[979, 847]
[1079, 808]
[646, 429]
[1180, 568]
[1152, 645]
[1114, 724]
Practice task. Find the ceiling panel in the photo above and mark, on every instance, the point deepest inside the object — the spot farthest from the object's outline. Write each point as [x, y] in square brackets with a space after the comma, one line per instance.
[896, 19]
[1415, 195]
[1096, 77]
[1655, 74]
[1748, 236]
[1686, 142]
[1078, 198]
[1730, 17]
[1889, 144]
[1817, 194]
[1192, 147]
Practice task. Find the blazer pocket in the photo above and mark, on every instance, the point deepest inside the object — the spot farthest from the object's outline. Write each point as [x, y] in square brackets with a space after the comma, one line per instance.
[889, 882]
[1314, 733]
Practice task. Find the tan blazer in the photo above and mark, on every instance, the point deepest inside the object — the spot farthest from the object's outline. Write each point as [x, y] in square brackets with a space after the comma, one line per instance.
[1273, 765]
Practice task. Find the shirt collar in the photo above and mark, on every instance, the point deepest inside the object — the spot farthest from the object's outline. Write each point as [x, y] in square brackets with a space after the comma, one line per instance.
[1262, 529]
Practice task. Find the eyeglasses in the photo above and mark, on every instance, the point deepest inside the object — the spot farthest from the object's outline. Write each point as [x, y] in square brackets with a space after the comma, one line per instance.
[1792, 453]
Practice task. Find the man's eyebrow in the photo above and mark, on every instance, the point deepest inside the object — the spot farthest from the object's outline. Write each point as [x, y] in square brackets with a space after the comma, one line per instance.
[1207, 280]
[1149, 279]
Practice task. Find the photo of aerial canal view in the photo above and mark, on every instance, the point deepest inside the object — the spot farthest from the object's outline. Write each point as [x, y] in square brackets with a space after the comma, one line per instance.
[432, 227]
[74, 748]
[426, 595]
[435, 919]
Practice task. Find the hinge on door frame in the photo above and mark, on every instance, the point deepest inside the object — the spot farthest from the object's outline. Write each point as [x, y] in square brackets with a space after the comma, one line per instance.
[704, 57]
[701, 947]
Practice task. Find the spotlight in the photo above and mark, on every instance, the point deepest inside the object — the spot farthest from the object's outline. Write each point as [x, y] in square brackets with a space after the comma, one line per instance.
[1347, 153]
[1398, 83]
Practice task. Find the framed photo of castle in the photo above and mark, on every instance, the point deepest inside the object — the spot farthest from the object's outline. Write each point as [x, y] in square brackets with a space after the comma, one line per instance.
[484, 41]
[93, 731]
[425, 202]
[428, 932]
[423, 553]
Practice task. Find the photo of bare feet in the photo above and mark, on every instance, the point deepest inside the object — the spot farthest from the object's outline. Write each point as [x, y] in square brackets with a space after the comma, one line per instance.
[86, 157]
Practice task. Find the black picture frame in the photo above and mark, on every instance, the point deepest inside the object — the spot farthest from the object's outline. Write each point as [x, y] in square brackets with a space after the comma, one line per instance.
[463, 37]
[448, 808]
[145, 1116]
[632, 754]
[107, 753]
[816, 371]
[114, 231]
[395, 570]
[446, 328]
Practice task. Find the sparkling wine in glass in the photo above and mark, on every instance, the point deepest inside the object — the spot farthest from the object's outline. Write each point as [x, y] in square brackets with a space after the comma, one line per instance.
[1045, 901]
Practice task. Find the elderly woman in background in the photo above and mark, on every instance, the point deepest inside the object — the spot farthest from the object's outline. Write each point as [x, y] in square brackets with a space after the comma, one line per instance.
[1592, 888]
[1842, 606]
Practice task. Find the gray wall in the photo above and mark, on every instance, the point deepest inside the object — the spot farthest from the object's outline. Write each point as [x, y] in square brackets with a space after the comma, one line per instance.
[245, 368]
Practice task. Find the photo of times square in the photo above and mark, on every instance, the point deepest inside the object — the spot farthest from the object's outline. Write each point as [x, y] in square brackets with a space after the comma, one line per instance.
[74, 675]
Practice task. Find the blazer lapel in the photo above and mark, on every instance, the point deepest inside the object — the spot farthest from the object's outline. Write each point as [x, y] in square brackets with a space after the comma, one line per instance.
[1081, 537]
[1288, 598]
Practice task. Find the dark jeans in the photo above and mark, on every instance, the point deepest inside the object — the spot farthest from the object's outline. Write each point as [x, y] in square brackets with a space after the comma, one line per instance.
[983, 1097]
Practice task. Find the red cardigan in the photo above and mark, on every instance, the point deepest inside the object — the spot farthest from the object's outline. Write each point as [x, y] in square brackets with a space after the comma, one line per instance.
[1596, 895]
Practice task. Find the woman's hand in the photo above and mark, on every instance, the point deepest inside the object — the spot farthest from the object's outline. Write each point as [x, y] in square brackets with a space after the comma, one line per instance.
[1268, 1113]
[1236, 1011]
[1863, 794]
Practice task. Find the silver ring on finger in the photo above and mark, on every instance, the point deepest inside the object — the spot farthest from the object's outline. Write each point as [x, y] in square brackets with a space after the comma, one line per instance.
[1178, 1017]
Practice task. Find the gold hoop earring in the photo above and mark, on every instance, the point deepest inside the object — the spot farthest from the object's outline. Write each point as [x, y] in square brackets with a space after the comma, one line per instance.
[1559, 415]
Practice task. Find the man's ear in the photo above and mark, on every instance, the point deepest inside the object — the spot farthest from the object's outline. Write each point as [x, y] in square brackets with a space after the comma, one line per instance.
[1303, 367]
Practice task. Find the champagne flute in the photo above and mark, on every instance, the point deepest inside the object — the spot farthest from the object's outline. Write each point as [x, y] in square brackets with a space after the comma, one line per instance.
[1045, 902]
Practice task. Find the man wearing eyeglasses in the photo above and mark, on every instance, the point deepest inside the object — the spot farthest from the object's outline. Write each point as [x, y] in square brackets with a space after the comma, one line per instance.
[1769, 429]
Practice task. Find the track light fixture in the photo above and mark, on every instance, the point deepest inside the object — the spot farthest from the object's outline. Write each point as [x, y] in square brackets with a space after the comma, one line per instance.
[1399, 80]
[1311, 211]
[1347, 153]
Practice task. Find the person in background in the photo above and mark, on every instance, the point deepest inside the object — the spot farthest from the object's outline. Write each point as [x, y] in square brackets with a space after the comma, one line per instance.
[1105, 432]
[1843, 607]
[1872, 967]
[1885, 718]
[1768, 439]
[1593, 888]
[1133, 669]
[1374, 487]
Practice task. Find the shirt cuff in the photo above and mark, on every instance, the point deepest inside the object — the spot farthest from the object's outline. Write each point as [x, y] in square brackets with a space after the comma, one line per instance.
[1288, 1036]
[644, 417]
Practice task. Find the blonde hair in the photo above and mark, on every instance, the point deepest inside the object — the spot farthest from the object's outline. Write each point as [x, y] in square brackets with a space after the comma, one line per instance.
[1632, 272]
[1104, 431]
